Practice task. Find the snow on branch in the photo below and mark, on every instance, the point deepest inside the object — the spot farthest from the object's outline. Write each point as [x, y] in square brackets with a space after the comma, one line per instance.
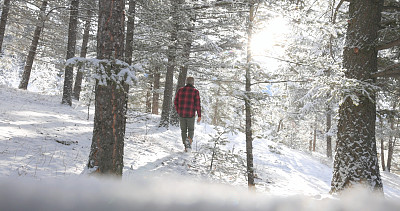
[106, 71]
[354, 89]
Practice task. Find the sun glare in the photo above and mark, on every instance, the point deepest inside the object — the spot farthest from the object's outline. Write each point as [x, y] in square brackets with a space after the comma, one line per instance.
[271, 39]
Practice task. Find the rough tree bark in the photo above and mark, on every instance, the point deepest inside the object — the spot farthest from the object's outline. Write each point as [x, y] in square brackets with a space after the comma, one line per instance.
[69, 70]
[356, 161]
[85, 41]
[3, 21]
[106, 153]
[32, 49]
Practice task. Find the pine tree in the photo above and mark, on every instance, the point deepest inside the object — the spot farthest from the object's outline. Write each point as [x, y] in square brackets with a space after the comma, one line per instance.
[356, 159]
[72, 31]
[169, 77]
[106, 154]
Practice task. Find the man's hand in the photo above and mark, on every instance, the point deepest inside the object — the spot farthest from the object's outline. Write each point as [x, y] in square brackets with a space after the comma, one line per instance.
[198, 119]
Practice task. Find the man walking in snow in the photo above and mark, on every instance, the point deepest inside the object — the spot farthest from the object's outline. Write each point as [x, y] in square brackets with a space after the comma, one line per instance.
[187, 102]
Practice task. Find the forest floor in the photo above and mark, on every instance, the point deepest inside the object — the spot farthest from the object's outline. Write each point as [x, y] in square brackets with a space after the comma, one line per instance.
[42, 139]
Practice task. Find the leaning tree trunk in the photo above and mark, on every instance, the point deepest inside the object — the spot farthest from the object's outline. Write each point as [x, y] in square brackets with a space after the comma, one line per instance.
[85, 41]
[106, 153]
[247, 102]
[69, 70]
[356, 161]
[32, 49]
[3, 21]
[169, 77]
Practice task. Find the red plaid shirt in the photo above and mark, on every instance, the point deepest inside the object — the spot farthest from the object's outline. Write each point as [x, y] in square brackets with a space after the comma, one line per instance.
[187, 101]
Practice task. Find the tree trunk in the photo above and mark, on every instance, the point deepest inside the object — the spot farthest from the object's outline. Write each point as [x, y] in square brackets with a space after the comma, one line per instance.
[280, 125]
[32, 49]
[215, 119]
[247, 102]
[356, 159]
[69, 70]
[169, 77]
[391, 143]
[156, 95]
[148, 96]
[328, 136]
[130, 27]
[3, 21]
[383, 156]
[129, 45]
[85, 41]
[182, 77]
[106, 153]
[315, 135]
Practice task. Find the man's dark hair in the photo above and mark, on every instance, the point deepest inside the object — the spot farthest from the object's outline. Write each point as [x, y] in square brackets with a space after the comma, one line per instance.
[190, 80]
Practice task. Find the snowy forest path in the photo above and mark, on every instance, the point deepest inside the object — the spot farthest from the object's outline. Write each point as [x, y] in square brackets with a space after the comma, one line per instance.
[156, 155]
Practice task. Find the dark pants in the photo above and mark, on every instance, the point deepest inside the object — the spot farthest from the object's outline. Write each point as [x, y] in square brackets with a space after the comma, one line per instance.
[187, 129]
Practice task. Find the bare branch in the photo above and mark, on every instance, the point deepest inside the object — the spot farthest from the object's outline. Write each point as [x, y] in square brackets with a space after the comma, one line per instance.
[336, 11]
[276, 82]
[396, 8]
[388, 45]
[391, 71]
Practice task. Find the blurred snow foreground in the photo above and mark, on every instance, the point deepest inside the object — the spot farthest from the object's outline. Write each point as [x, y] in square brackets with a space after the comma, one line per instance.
[167, 194]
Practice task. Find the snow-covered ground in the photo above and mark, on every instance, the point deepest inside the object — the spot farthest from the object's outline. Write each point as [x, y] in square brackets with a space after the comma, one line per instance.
[44, 147]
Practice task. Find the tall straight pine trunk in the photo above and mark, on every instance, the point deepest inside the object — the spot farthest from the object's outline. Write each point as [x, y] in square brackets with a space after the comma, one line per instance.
[169, 77]
[69, 70]
[356, 161]
[247, 102]
[106, 153]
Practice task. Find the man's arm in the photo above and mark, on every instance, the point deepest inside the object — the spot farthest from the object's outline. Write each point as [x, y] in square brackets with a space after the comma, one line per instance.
[176, 101]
